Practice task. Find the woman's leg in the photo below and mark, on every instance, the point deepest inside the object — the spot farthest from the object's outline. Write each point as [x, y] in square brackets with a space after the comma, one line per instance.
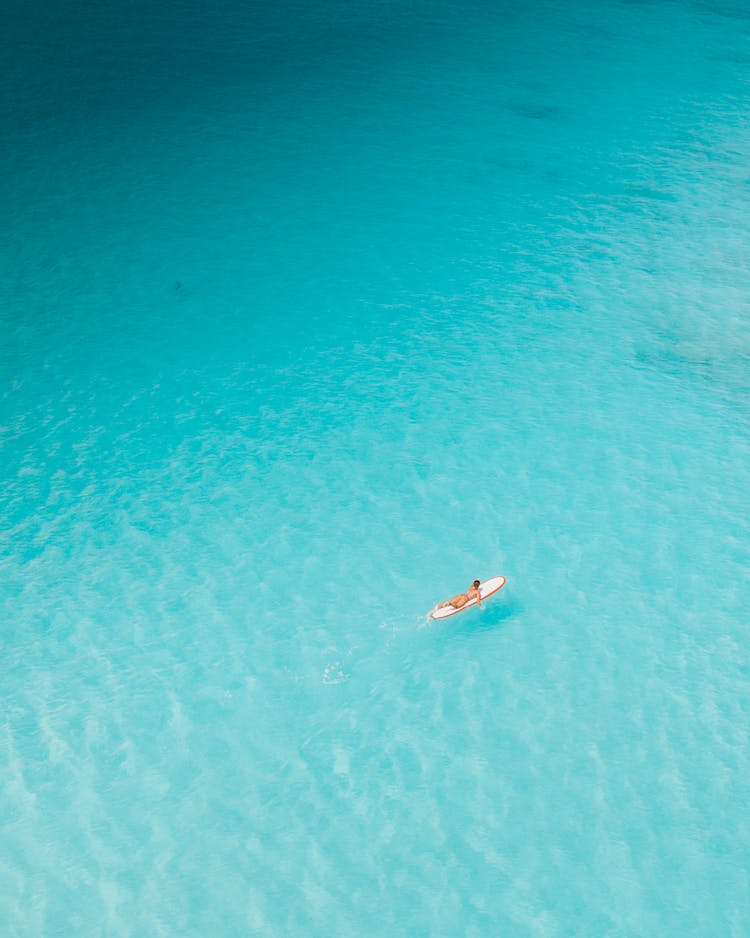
[457, 602]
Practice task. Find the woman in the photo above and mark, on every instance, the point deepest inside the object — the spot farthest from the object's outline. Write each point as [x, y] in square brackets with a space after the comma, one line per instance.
[461, 599]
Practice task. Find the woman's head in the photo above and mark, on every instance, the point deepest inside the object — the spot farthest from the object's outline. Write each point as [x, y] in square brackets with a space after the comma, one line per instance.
[476, 584]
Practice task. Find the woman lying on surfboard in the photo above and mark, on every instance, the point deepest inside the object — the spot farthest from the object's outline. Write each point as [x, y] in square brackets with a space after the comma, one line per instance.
[461, 599]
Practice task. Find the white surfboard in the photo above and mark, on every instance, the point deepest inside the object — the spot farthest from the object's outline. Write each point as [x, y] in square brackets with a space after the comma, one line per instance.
[486, 590]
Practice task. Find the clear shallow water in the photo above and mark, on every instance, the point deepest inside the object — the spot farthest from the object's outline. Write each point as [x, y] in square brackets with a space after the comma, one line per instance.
[310, 317]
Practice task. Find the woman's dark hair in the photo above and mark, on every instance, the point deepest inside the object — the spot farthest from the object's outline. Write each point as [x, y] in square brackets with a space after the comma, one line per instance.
[476, 583]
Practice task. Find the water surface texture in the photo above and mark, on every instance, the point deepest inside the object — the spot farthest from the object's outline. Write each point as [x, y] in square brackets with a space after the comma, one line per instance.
[310, 314]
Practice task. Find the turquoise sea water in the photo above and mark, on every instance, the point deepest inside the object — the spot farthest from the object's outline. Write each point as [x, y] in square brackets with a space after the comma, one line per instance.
[310, 315]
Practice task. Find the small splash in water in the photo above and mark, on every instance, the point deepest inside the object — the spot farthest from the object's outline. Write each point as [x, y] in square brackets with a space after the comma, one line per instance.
[334, 673]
